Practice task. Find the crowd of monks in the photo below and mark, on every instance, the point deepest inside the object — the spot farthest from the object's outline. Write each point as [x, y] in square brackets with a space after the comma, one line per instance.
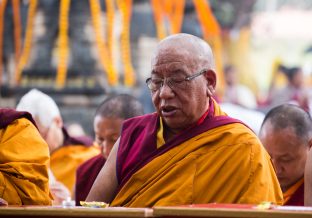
[187, 152]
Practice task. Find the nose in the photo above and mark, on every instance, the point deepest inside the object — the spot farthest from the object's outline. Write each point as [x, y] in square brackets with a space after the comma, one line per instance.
[165, 91]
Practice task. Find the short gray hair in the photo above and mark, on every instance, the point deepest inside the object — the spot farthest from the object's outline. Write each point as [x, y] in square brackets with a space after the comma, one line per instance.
[40, 106]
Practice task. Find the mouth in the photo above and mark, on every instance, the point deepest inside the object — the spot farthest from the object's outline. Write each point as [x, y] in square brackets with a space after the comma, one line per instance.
[168, 111]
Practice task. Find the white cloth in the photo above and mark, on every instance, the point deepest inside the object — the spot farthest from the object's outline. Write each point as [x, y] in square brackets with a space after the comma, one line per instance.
[250, 117]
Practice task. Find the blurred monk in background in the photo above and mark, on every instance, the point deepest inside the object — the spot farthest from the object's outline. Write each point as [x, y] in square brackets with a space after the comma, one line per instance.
[293, 92]
[107, 125]
[24, 159]
[235, 92]
[67, 152]
[286, 133]
[189, 151]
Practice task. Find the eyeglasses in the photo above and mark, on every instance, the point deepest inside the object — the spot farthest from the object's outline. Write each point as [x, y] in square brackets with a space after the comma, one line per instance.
[174, 83]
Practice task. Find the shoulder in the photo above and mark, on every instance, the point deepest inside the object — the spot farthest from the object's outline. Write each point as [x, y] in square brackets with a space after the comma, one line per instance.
[139, 120]
[138, 123]
[21, 128]
[248, 145]
[236, 134]
[91, 164]
[7, 116]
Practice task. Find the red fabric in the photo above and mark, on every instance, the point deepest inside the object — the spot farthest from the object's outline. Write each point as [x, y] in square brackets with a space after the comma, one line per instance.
[217, 205]
[7, 116]
[297, 199]
[82, 140]
[86, 175]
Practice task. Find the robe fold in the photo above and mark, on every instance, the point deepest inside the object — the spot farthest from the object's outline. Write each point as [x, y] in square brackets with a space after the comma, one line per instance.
[66, 159]
[86, 175]
[219, 160]
[294, 196]
[24, 159]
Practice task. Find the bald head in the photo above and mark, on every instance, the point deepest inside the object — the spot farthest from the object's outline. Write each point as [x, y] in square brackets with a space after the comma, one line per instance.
[290, 116]
[191, 49]
[122, 106]
[286, 134]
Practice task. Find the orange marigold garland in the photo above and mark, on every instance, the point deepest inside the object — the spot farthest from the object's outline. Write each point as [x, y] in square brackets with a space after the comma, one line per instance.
[110, 15]
[211, 32]
[27, 41]
[17, 28]
[2, 11]
[104, 55]
[158, 17]
[125, 7]
[176, 15]
[63, 48]
[170, 12]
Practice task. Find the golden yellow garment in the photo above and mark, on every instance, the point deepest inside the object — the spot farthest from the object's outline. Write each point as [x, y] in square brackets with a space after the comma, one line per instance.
[160, 134]
[66, 160]
[24, 158]
[226, 164]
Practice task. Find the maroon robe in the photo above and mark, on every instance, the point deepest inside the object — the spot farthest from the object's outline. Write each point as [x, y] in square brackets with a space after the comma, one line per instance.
[7, 116]
[137, 145]
[86, 175]
[80, 140]
[297, 199]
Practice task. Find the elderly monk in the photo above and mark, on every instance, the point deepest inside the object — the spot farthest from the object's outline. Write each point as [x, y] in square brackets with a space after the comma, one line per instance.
[189, 151]
[67, 152]
[107, 125]
[286, 133]
[24, 158]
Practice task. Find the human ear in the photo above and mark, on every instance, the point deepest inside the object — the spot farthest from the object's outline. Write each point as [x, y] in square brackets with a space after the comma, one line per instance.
[310, 143]
[211, 79]
[59, 122]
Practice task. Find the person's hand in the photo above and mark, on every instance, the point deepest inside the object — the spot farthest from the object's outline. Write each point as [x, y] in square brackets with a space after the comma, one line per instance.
[59, 192]
[3, 202]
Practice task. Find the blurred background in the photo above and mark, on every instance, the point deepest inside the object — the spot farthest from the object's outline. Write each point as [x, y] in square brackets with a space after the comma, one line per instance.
[80, 51]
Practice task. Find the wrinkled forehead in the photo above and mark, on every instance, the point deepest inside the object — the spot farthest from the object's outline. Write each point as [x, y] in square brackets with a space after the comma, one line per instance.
[174, 68]
[171, 58]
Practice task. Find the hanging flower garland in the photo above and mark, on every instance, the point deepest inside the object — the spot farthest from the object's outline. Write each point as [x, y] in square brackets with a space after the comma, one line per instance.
[158, 17]
[63, 48]
[2, 11]
[17, 28]
[104, 54]
[125, 6]
[176, 15]
[27, 41]
[211, 33]
[110, 16]
[171, 12]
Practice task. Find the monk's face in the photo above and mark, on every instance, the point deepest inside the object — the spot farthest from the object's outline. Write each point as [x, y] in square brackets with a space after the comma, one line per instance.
[288, 153]
[52, 134]
[107, 131]
[180, 105]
